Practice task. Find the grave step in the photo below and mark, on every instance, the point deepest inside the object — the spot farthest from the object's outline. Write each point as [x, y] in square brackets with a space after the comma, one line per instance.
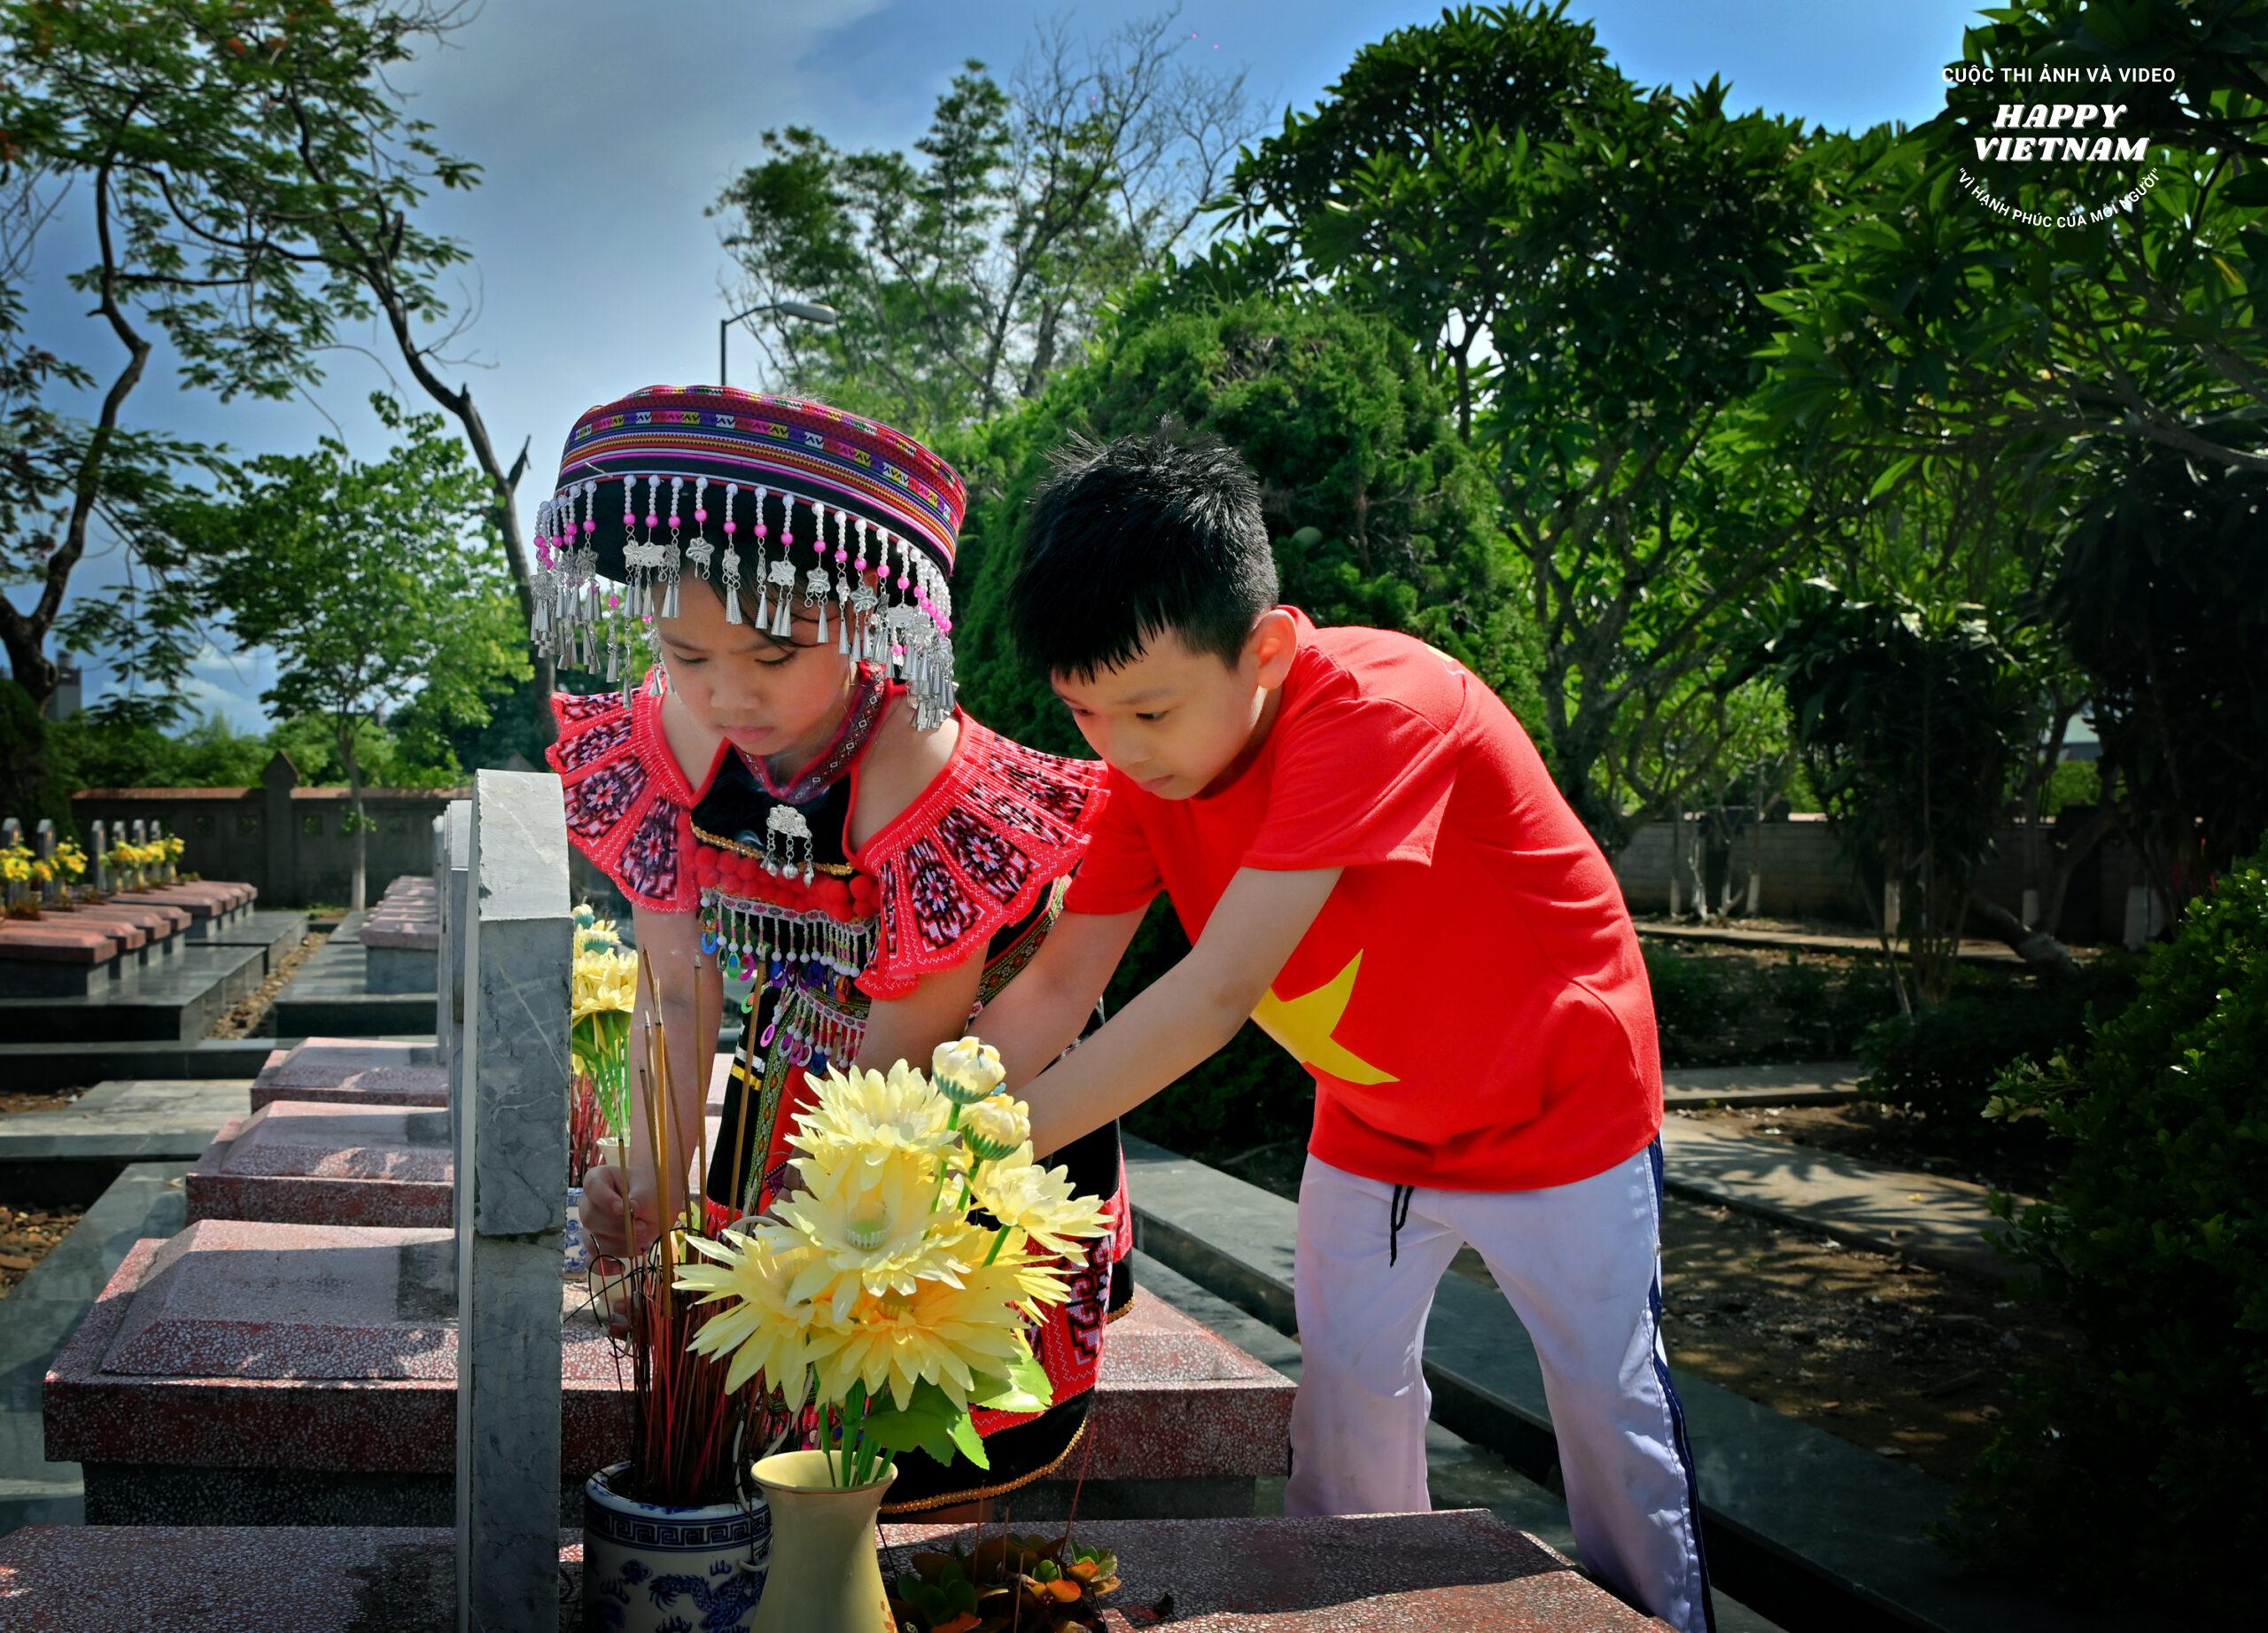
[316, 1163]
[1802, 1526]
[146, 1200]
[1827, 1083]
[67, 1156]
[177, 999]
[1932, 1220]
[330, 995]
[34, 1067]
[256, 1372]
[1443, 1572]
[350, 1070]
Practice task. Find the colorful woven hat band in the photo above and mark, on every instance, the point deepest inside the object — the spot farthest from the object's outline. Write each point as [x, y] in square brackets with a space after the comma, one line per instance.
[780, 502]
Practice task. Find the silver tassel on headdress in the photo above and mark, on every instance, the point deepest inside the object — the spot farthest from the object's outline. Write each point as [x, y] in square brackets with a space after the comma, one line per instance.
[763, 568]
[783, 572]
[732, 572]
[701, 552]
[816, 584]
[670, 563]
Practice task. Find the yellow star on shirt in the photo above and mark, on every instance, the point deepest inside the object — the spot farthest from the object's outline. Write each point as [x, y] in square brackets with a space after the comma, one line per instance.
[1304, 1026]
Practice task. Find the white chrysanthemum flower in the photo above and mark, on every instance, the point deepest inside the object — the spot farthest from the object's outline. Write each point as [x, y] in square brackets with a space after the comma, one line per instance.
[967, 1071]
[994, 1128]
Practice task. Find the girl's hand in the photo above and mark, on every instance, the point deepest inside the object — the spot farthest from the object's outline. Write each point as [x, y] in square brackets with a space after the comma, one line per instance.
[604, 1213]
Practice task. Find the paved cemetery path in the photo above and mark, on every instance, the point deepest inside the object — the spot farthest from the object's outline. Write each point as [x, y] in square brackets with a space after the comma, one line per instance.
[1823, 1083]
[1930, 1219]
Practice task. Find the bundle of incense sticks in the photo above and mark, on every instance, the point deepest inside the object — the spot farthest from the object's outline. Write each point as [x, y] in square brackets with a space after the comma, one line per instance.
[690, 1441]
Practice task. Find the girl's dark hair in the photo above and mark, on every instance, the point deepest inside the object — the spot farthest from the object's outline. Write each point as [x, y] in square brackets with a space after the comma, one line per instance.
[1128, 539]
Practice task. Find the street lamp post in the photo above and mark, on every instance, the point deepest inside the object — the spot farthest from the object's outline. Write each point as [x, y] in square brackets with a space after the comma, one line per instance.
[810, 311]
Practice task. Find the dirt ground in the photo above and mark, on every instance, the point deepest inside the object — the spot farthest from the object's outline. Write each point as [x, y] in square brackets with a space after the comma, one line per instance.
[246, 1018]
[1883, 1135]
[27, 1236]
[1907, 1361]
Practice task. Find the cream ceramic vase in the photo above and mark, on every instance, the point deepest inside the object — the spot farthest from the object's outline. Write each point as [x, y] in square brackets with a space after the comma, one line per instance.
[824, 1578]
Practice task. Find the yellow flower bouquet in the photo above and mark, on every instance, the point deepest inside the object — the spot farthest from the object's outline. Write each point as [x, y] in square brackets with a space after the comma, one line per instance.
[899, 1285]
[605, 990]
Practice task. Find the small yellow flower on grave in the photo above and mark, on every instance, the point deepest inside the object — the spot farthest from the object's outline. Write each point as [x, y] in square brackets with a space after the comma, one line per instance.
[16, 864]
[1024, 1196]
[966, 1071]
[762, 1329]
[72, 858]
[942, 1331]
[994, 1128]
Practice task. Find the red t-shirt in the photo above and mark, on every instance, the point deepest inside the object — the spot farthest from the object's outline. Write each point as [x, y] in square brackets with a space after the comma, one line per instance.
[1470, 1000]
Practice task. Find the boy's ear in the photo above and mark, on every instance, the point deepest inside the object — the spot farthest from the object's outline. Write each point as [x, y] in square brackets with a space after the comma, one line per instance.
[1273, 643]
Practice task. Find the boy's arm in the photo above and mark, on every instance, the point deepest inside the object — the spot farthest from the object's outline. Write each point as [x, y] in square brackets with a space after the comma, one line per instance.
[1189, 1014]
[1038, 1014]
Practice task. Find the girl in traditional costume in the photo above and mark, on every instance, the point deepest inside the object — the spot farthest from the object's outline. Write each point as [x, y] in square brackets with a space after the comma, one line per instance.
[791, 797]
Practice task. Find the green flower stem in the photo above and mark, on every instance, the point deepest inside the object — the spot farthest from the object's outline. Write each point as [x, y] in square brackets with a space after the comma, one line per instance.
[952, 1122]
[996, 1243]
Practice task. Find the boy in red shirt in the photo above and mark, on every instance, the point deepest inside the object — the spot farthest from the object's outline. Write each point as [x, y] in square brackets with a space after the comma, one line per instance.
[1374, 865]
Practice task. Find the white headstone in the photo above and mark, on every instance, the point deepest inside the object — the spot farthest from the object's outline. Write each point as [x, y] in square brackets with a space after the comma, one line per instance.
[11, 835]
[512, 1166]
[98, 855]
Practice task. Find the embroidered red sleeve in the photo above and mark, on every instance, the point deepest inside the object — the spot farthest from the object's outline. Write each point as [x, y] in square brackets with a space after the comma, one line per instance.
[628, 807]
[996, 828]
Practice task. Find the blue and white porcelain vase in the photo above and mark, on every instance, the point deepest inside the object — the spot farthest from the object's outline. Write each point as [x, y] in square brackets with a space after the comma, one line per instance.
[648, 1568]
[579, 1246]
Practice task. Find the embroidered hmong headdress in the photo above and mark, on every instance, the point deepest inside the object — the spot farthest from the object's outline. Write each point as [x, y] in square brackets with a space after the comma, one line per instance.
[789, 501]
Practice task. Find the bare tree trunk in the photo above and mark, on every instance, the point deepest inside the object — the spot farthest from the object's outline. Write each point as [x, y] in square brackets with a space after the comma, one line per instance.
[359, 896]
[2039, 950]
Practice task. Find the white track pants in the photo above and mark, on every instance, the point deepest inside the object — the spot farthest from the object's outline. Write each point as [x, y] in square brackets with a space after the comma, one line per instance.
[1581, 1265]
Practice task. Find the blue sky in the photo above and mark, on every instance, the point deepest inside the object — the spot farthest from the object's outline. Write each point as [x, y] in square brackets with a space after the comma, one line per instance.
[605, 129]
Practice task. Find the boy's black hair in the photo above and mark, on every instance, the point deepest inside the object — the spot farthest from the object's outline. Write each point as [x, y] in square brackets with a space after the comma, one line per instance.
[1128, 539]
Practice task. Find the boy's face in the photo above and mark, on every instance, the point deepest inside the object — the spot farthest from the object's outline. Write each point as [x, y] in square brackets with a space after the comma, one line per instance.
[1176, 721]
[769, 697]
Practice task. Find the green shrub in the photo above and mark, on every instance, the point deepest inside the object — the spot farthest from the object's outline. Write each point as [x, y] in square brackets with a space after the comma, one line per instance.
[1942, 1062]
[2155, 1245]
[1741, 1010]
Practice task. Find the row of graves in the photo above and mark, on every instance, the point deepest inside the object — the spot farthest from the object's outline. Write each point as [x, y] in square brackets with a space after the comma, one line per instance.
[114, 943]
[363, 1388]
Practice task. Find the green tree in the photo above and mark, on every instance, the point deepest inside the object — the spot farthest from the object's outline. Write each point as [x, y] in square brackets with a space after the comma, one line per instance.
[2154, 1248]
[373, 583]
[966, 276]
[252, 180]
[1929, 317]
[2160, 593]
[1381, 516]
[1581, 262]
[1911, 720]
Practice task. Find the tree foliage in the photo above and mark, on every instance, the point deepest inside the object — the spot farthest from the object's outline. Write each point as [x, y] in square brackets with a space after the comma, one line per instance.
[966, 274]
[1582, 261]
[1911, 720]
[252, 180]
[373, 583]
[1381, 516]
[2153, 1246]
[1928, 317]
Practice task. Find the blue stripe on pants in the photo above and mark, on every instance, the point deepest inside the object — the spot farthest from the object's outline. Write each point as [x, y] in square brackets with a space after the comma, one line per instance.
[1677, 1407]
